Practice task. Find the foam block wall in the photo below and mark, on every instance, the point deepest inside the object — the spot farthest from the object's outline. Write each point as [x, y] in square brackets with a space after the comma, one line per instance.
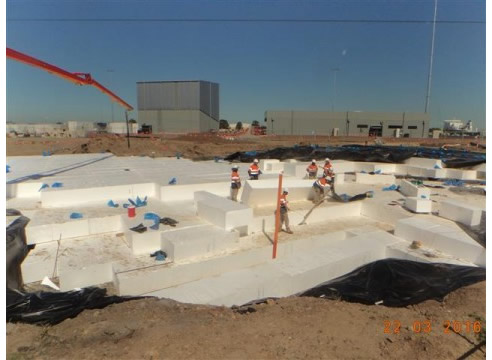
[461, 212]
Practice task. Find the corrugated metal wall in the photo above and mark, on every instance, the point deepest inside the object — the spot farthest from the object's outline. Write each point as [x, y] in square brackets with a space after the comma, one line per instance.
[179, 106]
[351, 123]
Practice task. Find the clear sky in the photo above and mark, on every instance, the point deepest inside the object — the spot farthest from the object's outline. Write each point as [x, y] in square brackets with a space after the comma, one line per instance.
[259, 65]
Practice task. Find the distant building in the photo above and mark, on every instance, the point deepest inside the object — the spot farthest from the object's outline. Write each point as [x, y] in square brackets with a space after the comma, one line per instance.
[179, 106]
[458, 128]
[360, 123]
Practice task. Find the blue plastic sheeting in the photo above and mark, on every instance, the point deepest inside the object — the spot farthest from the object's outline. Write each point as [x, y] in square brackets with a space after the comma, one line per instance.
[454, 182]
[112, 204]
[46, 153]
[155, 218]
[377, 171]
[159, 255]
[251, 153]
[8, 168]
[437, 167]
[44, 186]
[57, 185]
[391, 188]
[173, 181]
[138, 202]
[76, 215]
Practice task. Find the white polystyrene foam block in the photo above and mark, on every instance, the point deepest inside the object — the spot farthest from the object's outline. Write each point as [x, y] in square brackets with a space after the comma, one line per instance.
[418, 205]
[93, 274]
[264, 192]
[40, 262]
[461, 212]
[105, 224]
[227, 214]
[461, 174]
[481, 174]
[24, 190]
[265, 162]
[197, 241]
[363, 166]
[381, 212]
[435, 173]
[295, 169]
[415, 171]
[384, 168]
[361, 178]
[449, 240]
[39, 234]
[339, 179]
[401, 169]
[412, 190]
[170, 193]
[340, 166]
[326, 213]
[144, 243]
[423, 163]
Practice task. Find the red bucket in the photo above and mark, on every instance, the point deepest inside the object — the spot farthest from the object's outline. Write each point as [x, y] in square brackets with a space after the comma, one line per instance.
[131, 211]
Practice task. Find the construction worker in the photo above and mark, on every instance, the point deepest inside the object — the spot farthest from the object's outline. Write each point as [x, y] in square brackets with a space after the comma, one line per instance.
[235, 182]
[319, 187]
[284, 211]
[312, 170]
[328, 169]
[254, 171]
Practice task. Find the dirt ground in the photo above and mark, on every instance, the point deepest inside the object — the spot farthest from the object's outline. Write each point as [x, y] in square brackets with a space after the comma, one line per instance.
[288, 328]
[201, 146]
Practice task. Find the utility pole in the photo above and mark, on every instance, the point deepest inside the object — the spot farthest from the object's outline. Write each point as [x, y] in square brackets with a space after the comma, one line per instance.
[335, 70]
[431, 60]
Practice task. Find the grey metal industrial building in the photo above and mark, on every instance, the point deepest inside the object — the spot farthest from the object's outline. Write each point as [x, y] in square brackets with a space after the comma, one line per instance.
[351, 123]
[178, 106]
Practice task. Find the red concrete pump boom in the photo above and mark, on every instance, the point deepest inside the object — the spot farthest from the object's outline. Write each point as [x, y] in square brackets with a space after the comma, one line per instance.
[76, 78]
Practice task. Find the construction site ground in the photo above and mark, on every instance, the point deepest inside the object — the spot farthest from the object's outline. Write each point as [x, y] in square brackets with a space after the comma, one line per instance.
[287, 328]
[204, 146]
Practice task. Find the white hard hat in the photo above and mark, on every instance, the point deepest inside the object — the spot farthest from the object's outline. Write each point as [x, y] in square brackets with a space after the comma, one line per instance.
[235, 167]
[313, 160]
[327, 159]
[286, 190]
[255, 160]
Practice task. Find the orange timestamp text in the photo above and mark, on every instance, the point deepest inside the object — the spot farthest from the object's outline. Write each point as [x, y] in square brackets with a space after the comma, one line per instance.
[427, 326]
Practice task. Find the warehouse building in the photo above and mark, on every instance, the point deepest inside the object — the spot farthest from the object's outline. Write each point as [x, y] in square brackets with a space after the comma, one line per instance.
[353, 123]
[178, 106]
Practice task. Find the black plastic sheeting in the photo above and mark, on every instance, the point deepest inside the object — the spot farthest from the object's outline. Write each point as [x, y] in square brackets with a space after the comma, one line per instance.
[386, 154]
[51, 308]
[398, 282]
[17, 250]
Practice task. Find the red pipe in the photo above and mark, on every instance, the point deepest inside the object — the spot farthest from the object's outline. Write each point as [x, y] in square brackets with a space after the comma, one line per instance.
[76, 78]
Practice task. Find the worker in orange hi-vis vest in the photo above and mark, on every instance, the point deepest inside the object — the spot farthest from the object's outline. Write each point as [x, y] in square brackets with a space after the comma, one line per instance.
[284, 211]
[235, 182]
[312, 170]
[319, 187]
[328, 169]
[254, 170]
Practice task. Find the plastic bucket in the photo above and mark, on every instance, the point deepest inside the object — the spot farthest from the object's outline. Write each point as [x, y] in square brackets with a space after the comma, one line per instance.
[131, 211]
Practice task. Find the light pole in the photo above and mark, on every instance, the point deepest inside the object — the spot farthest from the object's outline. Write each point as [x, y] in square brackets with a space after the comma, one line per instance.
[429, 79]
[335, 70]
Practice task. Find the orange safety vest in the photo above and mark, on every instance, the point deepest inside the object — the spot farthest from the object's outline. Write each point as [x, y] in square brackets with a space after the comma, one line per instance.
[312, 169]
[322, 183]
[283, 201]
[328, 170]
[254, 169]
[235, 177]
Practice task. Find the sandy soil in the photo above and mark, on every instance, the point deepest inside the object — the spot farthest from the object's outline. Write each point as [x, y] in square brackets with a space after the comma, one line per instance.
[198, 146]
[289, 328]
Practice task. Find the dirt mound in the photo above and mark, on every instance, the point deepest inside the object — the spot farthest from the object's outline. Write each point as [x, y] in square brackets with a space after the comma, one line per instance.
[292, 328]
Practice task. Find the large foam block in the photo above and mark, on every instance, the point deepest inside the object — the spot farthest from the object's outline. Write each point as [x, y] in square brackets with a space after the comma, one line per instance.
[363, 166]
[40, 262]
[224, 213]
[449, 240]
[198, 241]
[171, 193]
[435, 173]
[76, 197]
[266, 164]
[461, 174]
[361, 178]
[381, 212]
[144, 243]
[264, 192]
[461, 212]
[412, 190]
[401, 169]
[295, 169]
[90, 275]
[24, 190]
[416, 171]
[423, 163]
[384, 168]
[418, 205]
[341, 166]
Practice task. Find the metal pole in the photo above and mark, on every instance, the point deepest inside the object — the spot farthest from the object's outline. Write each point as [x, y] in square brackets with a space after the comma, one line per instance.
[277, 217]
[127, 129]
[431, 60]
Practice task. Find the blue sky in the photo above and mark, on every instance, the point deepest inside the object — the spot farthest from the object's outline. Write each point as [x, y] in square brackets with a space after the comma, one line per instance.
[259, 65]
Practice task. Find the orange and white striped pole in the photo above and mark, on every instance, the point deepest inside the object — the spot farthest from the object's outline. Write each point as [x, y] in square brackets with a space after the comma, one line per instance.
[277, 216]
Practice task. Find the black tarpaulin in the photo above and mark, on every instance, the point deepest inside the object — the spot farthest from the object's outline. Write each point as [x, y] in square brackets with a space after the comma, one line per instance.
[398, 282]
[17, 251]
[51, 308]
